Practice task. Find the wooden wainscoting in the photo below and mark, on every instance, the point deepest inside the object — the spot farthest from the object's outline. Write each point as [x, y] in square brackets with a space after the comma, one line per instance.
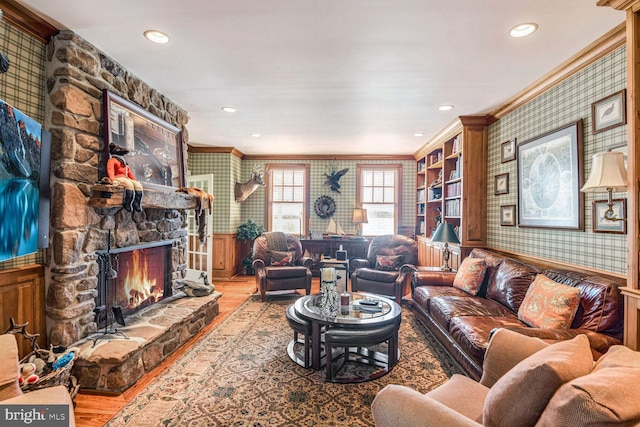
[225, 256]
[22, 297]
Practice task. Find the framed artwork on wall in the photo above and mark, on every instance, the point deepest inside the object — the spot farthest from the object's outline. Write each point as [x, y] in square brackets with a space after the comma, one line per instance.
[603, 225]
[549, 179]
[508, 151]
[609, 112]
[501, 184]
[154, 146]
[508, 215]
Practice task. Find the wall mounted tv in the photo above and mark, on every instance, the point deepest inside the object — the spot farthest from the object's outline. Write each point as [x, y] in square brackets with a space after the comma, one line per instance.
[24, 183]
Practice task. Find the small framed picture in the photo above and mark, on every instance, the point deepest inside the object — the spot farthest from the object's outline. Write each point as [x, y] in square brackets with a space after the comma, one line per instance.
[508, 151]
[502, 184]
[508, 215]
[609, 112]
[603, 225]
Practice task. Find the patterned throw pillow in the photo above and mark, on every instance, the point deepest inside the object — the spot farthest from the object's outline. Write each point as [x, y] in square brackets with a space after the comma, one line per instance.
[549, 304]
[279, 259]
[388, 262]
[470, 275]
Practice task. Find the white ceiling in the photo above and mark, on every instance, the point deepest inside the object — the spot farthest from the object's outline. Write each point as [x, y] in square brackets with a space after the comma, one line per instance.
[332, 76]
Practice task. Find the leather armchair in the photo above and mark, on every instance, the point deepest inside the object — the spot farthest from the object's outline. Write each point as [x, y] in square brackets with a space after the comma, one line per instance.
[400, 253]
[281, 277]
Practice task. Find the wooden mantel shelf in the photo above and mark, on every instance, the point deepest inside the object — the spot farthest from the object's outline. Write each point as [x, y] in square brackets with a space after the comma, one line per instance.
[110, 196]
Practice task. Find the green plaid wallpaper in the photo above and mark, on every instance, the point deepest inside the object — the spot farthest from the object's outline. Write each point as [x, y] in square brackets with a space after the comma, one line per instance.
[23, 87]
[565, 103]
[228, 214]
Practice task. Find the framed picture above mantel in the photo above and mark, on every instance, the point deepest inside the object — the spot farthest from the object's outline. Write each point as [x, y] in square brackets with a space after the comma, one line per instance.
[154, 146]
[549, 179]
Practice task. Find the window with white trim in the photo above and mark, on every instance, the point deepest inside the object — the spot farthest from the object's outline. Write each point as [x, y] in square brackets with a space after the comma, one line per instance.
[287, 198]
[379, 191]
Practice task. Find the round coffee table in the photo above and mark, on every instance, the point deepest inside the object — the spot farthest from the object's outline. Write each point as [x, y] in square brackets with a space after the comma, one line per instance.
[360, 320]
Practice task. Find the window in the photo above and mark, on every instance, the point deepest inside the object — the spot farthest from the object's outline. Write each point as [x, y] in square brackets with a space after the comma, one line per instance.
[379, 190]
[287, 198]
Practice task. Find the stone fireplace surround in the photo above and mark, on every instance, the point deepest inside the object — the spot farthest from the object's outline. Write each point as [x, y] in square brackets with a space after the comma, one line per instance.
[76, 75]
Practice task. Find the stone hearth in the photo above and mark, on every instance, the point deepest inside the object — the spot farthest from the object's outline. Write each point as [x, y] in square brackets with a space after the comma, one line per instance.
[115, 364]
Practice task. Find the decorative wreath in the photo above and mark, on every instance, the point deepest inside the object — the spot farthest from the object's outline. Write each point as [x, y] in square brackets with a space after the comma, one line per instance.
[324, 206]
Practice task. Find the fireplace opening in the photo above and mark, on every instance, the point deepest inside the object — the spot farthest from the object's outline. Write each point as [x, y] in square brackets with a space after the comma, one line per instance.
[131, 279]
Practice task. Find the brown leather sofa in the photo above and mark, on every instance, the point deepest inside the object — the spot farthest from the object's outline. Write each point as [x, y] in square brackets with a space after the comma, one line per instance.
[270, 277]
[463, 323]
[390, 280]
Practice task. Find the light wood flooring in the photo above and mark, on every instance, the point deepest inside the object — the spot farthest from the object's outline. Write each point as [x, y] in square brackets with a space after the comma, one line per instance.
[93, 410]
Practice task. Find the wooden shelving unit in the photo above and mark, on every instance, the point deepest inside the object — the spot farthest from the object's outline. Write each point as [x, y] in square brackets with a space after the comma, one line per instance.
[451, 186]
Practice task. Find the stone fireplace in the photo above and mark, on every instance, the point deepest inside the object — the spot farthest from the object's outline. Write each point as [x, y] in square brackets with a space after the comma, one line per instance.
[130, 279]
[82, 232]
[77, 73]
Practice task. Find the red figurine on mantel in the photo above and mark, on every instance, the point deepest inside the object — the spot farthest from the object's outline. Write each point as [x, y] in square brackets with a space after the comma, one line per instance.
[120, 173]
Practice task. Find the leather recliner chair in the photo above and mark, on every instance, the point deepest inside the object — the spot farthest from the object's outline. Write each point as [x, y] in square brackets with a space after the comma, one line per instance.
[388, 268]
[277, 275]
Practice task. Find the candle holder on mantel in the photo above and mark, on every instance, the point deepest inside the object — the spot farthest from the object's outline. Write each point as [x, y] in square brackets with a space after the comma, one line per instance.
[330, 300]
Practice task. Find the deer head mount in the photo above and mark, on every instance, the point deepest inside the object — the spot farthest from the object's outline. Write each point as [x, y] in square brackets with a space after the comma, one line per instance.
[244, 190]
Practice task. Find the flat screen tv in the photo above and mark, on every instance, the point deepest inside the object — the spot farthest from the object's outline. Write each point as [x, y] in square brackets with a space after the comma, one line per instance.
[23, 224]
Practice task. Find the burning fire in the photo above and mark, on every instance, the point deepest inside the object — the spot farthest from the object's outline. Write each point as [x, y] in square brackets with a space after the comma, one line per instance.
[137, 285]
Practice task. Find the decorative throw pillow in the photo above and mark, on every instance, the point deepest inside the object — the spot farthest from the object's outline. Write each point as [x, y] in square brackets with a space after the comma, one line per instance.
[604, 397]
[519, 396]
[279, 259]
[470, 275]
[549, 304]
[388, 262]
[598, 399]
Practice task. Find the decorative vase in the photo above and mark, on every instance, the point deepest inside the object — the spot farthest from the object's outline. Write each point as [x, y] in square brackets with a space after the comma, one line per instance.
[330, 300]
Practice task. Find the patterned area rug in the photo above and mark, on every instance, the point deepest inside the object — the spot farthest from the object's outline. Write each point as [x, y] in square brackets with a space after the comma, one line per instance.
[240, 375]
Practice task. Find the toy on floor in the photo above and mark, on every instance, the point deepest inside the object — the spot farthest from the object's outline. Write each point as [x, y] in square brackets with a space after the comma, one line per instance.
[27, 374]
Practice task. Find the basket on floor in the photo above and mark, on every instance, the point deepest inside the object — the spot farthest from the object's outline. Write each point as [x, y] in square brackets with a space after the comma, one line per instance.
[51, 377]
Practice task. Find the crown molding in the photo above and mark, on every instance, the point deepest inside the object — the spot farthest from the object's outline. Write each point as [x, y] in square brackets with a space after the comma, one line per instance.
[19, 16]
[215, 150]
[587, 56]
[329, 157]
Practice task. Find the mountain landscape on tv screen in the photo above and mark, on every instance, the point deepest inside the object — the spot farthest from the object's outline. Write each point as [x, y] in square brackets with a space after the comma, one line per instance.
[20, 149]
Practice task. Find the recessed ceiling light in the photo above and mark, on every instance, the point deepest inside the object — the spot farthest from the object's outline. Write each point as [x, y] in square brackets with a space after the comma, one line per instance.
[445, 107]
[523, 30]
[156, 36]
[229, 109]
[256, 135]
[418, 134]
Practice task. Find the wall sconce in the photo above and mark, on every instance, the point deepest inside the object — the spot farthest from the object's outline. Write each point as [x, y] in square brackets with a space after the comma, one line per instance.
[445, 234]
[359, 218]
[609, 175]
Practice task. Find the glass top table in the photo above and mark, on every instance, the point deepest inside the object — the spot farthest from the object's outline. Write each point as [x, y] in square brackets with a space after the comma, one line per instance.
[360, 316]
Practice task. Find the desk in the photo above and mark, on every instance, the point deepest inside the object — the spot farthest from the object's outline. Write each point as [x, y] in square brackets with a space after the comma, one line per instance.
[356, 248]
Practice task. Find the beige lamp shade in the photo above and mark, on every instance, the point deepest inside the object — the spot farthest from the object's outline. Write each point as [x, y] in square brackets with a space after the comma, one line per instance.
[607, 173]
[359, 216]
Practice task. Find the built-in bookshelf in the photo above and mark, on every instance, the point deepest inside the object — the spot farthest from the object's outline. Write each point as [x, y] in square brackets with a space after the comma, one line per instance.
[451, 183]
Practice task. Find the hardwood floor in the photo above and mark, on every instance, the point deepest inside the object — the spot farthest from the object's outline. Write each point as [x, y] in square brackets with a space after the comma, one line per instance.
[94, 410]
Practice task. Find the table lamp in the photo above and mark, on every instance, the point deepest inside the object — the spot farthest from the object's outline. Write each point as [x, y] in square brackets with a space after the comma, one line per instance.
[445, 234]
[609, 175]
[359, 218]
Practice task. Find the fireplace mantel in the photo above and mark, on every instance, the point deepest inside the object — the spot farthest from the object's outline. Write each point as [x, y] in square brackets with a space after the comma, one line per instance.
[109, 196]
